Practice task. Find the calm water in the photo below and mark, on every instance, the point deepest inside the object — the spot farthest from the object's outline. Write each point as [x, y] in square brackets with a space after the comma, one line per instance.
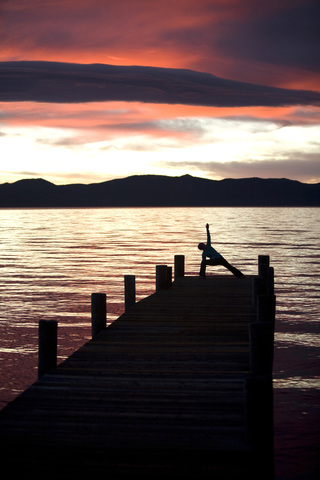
[51, 261]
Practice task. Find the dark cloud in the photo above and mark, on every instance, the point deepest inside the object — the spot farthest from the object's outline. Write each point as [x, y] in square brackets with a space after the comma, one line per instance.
[76, 83]
[302, 166]
[288, 37]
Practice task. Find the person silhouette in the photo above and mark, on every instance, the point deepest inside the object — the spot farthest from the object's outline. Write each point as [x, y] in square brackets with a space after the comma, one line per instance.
[214, 258]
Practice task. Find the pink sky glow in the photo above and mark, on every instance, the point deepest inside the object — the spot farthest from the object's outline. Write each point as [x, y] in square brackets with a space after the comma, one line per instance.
[66, 141]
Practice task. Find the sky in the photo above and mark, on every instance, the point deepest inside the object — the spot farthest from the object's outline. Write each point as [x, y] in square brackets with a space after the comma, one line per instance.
[92, 90]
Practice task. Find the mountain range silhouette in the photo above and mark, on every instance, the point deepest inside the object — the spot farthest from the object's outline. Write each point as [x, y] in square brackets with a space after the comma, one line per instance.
[161, 191]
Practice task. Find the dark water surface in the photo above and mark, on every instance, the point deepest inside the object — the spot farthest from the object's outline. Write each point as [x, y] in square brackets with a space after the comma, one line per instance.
[51, 260]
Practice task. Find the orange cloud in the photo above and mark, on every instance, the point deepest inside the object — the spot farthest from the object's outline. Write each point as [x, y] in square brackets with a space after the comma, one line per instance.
[273, 44]
[98, 122]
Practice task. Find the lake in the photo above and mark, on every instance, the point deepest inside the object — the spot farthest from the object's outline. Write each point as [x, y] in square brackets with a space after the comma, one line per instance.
[51, 261]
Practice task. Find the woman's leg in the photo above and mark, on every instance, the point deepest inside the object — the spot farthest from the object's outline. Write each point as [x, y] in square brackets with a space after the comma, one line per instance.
[219, 261]
[232, 269]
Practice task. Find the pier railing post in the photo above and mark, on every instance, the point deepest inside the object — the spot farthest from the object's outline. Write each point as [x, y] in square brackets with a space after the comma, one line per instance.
[263, 264]
[47, 355]
[266, 299]
[178, 266]
[98, 313]
[169, 277]
[258, 288]
[270, 281]
[261, 347]
[262, 329]
[264, 280]
[266, 308]
[162, 277]
[129, 291]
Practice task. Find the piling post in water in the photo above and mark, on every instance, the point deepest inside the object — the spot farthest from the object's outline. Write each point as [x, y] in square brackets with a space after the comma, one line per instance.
[169, 277]
[266, 302]
[259, 419]
[270, 281]
[129, 291]
[162, 277]
[261, 347]
[258, 288]
[266, 308]
[258, 387]
[98, 313]
[47, 355]
[259, 285]
[262, 329]
[263, 264]
[178, 266]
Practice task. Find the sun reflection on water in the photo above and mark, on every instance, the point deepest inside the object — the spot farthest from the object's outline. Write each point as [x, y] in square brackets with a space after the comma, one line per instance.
[304, 339]
[297, 382]
[51, 261]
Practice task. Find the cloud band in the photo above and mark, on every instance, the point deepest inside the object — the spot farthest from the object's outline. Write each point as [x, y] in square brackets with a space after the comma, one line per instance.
[54, 82]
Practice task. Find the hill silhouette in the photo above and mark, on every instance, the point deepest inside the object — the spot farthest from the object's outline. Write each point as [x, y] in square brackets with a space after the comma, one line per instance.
[162, 191]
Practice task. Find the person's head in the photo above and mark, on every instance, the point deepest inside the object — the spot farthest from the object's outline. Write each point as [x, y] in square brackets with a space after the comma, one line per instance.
[202, 246]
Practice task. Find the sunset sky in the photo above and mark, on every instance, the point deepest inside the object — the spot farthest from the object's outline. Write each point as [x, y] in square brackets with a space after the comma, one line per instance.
[212, 88]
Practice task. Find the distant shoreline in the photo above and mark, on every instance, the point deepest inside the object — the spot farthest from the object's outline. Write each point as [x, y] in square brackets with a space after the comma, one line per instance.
[158, 207]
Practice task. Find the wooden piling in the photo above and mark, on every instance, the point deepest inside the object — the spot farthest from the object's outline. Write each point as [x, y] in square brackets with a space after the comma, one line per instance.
[261, 347]
[178, 266]
[169, 277]
[98, 313]
[263, 264]
[262, 329]
[259, 417]
[264, 282]
[47, 355]
[270, 281]
[161, 277]
[266, 307]
[258, 288]
[129, 291]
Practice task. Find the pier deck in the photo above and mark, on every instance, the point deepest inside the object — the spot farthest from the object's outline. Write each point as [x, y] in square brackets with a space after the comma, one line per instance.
[162, 391]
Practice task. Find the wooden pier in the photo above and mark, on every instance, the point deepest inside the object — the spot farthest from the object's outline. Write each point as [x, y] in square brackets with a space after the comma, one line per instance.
[180, 384]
